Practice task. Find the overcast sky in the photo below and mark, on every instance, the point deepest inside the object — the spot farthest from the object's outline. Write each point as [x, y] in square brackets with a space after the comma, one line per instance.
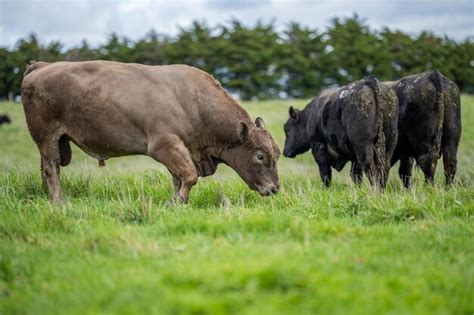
[70, 21]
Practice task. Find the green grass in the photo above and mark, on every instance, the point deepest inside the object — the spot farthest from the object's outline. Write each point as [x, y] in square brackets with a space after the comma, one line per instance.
[118, 246]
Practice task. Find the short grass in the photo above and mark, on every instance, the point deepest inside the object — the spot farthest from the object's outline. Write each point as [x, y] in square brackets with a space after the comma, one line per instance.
[118, 246]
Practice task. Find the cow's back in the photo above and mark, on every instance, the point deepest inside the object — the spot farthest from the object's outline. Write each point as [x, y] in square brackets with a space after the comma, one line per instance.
[103, 81]
[99, 101]
[320, 105]
[123, 106]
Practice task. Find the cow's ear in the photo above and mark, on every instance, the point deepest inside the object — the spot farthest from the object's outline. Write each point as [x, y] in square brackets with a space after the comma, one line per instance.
[293, 112]
[243, 132]
[260, 123]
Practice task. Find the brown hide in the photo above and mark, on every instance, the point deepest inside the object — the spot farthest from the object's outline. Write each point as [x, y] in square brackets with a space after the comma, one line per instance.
[176, 114]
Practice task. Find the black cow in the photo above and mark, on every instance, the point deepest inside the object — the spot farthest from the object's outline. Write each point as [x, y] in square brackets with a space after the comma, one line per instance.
[356, 123]
[5, 119]
[429, 124]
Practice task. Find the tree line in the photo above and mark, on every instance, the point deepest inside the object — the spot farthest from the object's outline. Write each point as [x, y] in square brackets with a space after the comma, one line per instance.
[260, 61]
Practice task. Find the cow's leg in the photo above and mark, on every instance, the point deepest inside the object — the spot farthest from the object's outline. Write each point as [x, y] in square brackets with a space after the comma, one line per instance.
[320, 154]
[428, 166]
[50, 164]
[391, 140]
[365, 161]
[44, 183]
[357, 173]
[172, 153]
[450, 162]
[405, 170]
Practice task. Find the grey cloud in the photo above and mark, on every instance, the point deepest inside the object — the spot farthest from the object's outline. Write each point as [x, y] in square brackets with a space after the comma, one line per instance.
[52, 20]
[236, 4]
[70, 21]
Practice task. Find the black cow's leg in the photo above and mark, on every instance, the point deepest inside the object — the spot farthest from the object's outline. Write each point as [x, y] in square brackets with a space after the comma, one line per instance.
[405, 170]
[172, 153]
[450, 163]
[428, 166]
[357, 173]
[320, 154]
[391, 140]
[365, 162]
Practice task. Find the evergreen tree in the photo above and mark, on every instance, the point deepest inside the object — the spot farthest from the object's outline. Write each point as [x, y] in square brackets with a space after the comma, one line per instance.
[303, 61]
[260, 62]
[356, 52]
[248, 59]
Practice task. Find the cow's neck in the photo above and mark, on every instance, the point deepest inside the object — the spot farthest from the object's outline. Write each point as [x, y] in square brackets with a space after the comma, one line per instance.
[305, 113]
[221, 121]
[222, 117]
[304, 117]
[229, 157]
[214, 152]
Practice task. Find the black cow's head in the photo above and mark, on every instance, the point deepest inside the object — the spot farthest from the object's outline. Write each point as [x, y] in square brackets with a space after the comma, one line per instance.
[296, 141]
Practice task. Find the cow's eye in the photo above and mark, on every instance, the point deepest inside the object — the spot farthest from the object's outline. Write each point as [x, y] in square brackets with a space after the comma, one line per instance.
[260, 157]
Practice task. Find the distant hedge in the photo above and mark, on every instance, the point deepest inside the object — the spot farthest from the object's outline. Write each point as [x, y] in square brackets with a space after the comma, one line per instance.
[261, 62]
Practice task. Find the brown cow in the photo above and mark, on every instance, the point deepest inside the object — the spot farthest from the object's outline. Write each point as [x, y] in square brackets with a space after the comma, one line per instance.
[178, 115]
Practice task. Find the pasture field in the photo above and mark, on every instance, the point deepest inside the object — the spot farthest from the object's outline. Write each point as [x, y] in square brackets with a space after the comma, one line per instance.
[117, 246]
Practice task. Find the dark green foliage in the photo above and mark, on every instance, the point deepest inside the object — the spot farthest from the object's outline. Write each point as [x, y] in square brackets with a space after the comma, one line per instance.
[248, 59]
[261, 62]
[194, 46]
[303, 60]
[356, 52]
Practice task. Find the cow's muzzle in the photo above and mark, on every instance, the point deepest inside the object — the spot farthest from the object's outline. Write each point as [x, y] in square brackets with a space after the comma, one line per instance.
[288, 154]
[268, 190]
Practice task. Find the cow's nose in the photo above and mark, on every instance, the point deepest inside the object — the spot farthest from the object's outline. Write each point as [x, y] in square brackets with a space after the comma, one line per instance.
[288, 154]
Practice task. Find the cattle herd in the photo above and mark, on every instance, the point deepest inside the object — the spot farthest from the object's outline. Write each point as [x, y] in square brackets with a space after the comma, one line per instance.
[375, 124]
[182, 117]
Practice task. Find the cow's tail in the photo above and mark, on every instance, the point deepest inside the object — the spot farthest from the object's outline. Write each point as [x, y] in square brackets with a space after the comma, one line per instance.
[437, 79]
[27, 92]
[379, 145]
[32, 66]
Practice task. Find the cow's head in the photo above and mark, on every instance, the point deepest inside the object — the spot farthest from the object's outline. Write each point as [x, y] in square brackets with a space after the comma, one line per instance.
[296, 139]
[255, 157]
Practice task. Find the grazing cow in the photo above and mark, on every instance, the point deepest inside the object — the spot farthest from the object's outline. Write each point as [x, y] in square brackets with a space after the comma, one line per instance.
[178, 115]
[356, 123]
[5, 119]
[429, 124]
